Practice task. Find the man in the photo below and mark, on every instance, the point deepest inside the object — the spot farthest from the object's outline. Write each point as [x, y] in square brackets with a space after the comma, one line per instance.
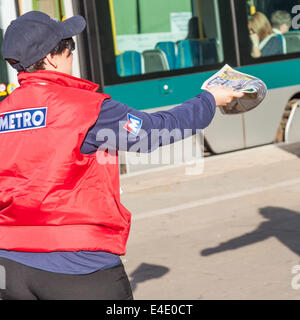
[281, 23]
[62, 226]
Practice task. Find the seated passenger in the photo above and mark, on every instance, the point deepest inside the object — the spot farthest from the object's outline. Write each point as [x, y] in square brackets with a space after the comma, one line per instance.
[281, 23]
[264, 41]
[193, 29]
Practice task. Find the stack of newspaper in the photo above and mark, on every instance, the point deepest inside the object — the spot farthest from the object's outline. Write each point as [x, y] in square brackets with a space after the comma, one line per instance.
[253, 88]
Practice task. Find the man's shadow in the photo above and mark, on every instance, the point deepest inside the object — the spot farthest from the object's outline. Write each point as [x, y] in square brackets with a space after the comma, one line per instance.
[146, 272]
[282, 224]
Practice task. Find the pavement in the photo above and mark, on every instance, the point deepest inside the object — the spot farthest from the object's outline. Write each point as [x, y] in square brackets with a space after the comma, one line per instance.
[231, 232]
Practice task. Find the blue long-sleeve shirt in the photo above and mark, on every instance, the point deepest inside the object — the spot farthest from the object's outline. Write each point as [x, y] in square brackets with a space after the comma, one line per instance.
[193, 114]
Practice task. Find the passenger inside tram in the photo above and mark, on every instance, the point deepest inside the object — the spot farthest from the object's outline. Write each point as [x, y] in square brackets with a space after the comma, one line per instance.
[193, 28]
[264, 41]
[281, 23]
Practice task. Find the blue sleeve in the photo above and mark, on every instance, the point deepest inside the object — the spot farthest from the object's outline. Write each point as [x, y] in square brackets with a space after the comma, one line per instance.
[122, 128]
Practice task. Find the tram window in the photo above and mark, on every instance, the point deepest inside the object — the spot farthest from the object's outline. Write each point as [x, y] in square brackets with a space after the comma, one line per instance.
[54, 8]
[160, 36]
[271, 29]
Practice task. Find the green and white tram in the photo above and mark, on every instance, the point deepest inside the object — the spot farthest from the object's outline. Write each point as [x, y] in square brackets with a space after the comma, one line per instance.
[165, 49]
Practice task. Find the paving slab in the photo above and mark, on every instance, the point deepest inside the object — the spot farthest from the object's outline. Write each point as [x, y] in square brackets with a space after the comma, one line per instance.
[231, 232]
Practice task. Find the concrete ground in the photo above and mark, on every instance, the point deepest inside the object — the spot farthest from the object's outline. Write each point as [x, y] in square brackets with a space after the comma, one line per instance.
[232, 232]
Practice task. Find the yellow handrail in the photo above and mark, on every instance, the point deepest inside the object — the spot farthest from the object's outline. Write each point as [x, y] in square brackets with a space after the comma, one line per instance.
[252, 7]
[113, 23]
[200, 25]
[20, 7]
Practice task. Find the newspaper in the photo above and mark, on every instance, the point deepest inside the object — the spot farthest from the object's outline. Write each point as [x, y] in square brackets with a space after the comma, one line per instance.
[254, 89]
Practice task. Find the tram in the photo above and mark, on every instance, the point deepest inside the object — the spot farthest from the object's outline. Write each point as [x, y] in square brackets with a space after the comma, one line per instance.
[165, 49]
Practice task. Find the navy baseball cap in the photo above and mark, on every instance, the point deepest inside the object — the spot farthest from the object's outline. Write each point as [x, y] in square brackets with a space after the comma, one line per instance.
[33, 35]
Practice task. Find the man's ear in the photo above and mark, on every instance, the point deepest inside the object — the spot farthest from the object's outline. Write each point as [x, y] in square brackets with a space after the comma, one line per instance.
[50, 61]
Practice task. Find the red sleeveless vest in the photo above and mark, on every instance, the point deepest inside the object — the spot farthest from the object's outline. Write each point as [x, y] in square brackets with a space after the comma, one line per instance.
[52, 197]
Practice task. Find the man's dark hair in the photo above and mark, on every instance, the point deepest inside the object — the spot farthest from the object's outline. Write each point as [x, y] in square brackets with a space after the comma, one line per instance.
[59, 49]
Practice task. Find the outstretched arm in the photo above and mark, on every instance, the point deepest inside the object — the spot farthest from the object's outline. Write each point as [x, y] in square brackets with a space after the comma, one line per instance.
[130, 126]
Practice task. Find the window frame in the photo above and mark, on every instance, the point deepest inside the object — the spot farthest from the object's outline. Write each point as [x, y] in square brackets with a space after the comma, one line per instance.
[109, 59]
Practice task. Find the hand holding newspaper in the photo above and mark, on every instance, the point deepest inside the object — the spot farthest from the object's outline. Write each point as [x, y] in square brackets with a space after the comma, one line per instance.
[253, 88]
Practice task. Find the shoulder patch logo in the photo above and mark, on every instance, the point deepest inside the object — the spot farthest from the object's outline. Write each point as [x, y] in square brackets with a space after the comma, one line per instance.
[134, 124]
[23, 120]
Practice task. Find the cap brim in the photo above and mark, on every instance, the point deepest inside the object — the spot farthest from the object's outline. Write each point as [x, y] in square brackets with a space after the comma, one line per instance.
[72, 26]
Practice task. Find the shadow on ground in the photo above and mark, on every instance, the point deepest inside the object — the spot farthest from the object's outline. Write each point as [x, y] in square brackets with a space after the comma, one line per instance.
[293, 148]
[146, 272]
[283, 224]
